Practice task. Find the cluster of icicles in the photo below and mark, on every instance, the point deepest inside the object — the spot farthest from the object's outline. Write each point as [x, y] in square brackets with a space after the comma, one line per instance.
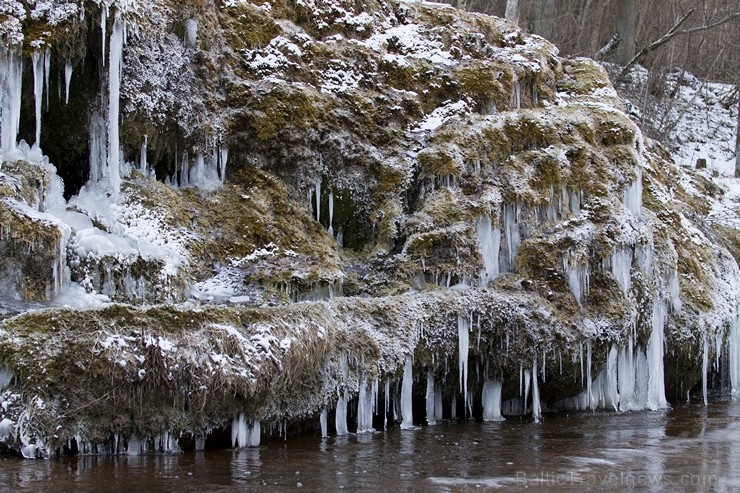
[106, 160]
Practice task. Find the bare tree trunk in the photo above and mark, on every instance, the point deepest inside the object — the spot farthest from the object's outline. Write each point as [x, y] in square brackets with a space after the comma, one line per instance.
[627, 30]
[737, 138]
[543, 18]
[512, 11]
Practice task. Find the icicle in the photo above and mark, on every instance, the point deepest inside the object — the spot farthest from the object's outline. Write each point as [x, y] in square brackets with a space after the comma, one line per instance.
[340, 419]
[527, 382]
[253, 434]
[489, 242]
[580, 356]
[463, 341]
[240, 431]
[656, 382]
[438, 403]
[38, 90]
[675, 290]
[103, 22]
[114, 92]
[133, 445]
[626, 374]
[536, 407]
[191, 33]
[544, 365]
[11, 66]
[735, 354]
[200, 443]
[322, 423]
[633, 194]
[521, 379]
[364, 406]
[142, 157]
[453, 407]
[98, 149]
[406, 405]
[589, 392]
[492, 400]
[67, 80]
[621, 266]
[224, 157]
[511, 232]
[430, 399]
[578, 274]
[331, 213]
[611, 395]
[318, 199]
[387, 392]
[47, 67]
[704, 368]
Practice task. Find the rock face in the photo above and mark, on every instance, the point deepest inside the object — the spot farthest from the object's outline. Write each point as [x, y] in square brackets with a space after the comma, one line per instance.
[288, 200]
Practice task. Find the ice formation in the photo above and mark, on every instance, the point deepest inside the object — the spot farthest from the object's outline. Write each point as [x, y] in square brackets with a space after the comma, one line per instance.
[407, 415]
[633, 194]
[734, 343]
[577, 271]
[463, 342]
[460, 236]
[656, 379]
[67, 80]
[492, 400]
[244, 433]
[114, 103]
[489, 242]
[366, 399]
[430, 398]
[340, 418]
[11, 77]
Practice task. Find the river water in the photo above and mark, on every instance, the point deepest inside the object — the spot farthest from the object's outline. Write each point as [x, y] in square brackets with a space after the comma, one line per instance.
[687, 448]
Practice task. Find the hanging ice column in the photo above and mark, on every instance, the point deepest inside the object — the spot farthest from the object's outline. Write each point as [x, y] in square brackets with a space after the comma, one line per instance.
[340, 418]
[244, 433]
[633, 194]
[114, 100]
[621, 268]
[39, 64]
[365, 405]
[510, 220]
[735, 354]
[489, 242]
[492, 400]
[11, 77]
[463, 342]
[67, 80]
[578, 274]
[431, 399]
[407, 416]
[656, 381]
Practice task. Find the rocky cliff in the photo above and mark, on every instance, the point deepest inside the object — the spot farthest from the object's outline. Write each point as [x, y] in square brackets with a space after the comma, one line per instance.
[270, 212]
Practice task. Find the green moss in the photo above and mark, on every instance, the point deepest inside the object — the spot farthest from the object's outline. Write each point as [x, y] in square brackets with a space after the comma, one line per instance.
[582, 76]
[547, 174]
[437, 162]
[399, 76]
[268, 115]
[249, 27]
[489, 84]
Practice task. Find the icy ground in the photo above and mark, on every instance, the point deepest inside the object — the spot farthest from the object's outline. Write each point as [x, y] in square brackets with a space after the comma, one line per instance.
[702, 125]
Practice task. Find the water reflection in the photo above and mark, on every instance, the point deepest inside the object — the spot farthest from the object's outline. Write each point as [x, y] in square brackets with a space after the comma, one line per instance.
[689, 448]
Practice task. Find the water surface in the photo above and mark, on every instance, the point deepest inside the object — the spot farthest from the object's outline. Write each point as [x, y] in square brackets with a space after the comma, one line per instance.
[688, 448]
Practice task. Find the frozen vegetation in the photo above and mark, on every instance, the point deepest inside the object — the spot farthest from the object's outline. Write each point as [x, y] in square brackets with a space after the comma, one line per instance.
[335, 216]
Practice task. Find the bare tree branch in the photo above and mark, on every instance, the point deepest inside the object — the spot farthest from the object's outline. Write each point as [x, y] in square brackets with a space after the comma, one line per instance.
[608, 48]
[672, 32]
[727, 19]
